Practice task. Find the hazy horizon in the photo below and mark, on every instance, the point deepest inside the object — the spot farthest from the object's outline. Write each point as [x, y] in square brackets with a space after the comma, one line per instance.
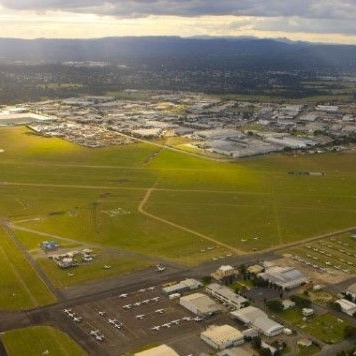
[312, 21]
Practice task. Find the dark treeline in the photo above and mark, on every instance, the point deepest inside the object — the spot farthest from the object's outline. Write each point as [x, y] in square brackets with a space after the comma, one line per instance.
[32, 70]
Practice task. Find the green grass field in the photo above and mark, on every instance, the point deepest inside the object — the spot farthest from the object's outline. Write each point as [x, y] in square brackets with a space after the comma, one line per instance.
[326, 327]
[208, 209]
[21, 288]
[40, 340]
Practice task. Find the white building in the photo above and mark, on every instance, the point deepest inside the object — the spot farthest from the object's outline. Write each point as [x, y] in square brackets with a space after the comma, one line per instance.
[187, 284]
[258, 319]
[162, 350]
[224, 273]
[226, 295]
[351, 290]
[284, 277]
[222, 337]
[199, 304]
[347, 306]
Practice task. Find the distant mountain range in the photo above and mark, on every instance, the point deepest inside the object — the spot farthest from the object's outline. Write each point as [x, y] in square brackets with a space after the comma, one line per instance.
[184, 53]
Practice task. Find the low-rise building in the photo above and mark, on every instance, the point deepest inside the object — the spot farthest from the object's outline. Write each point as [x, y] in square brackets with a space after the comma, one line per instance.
[222, 337]
[285, 277]
[288, 304]
[255, 269]
[200, 304]
[235, 351]
[226, 295]
[225, 274]
[183, 286]
[307, 311]
[258, 319]
[351, 290]
[347, 306]
[162, 350]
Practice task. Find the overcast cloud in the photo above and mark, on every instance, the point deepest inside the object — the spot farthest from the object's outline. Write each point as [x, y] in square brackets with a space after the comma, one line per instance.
[327, 9]
[312, 20]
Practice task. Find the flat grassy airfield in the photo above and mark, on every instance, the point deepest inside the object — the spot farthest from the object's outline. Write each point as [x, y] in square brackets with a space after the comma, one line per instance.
[40, 340]
[138, 204]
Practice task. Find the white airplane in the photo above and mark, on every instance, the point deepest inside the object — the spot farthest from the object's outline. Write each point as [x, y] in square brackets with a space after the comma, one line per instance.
[112, 321]
[140, 317]
[159, 311]
[167, 325]
[197, 319]
[186, 318]
[176, 322]
[127, 306]
[155, 299]
[71, 315]
[94, 332]
[117, 326]
[123, 295]
[155, 328]
[142, 290]
[107, 267]
[77, 319]
[99, 337]
[160, 268]
[146, 301]
[151, 288]
[256, 238]
[102, 313]
[137, 304]
[67, 311]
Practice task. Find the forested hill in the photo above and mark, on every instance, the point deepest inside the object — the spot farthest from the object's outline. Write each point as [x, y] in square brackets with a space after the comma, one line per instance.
[185, 53]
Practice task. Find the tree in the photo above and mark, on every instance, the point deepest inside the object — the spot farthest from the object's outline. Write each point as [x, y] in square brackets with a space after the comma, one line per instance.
[349, 332]
[265, 352]
[335, 306]
[256, 343]
[275, 305]
[206, 279]
[300, 301]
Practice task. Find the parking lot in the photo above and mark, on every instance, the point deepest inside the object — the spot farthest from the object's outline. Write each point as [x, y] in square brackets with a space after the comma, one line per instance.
[128, 322]
[332, 260]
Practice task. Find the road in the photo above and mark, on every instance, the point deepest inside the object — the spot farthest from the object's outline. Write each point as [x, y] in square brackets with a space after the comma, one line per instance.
[174, 149]
[96, 291]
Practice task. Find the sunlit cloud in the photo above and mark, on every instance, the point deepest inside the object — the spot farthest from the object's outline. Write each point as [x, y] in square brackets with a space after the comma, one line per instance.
[312, 20]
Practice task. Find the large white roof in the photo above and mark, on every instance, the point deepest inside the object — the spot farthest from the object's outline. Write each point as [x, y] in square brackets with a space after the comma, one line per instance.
[162, 350]
[222, 334]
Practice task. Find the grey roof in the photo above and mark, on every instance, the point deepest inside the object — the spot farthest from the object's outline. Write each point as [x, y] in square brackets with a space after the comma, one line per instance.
[352, 288]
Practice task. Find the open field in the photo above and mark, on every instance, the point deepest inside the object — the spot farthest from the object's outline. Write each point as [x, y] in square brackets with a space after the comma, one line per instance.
[21, 287]
[40, 340]
[324, 327]
[169, 205]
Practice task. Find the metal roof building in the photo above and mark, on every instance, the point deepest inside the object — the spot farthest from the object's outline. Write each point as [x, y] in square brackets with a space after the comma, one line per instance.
[226, 295]
[199, 304]
[162, 350]
[223, 336]
[258, 319]
[187, 284]
[285, 277]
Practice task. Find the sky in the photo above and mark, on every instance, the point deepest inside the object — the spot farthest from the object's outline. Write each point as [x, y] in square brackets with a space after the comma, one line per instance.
[306, 20]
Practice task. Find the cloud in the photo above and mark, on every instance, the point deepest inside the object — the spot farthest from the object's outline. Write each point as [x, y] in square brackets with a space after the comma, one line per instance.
[326, 9]
[297, 25]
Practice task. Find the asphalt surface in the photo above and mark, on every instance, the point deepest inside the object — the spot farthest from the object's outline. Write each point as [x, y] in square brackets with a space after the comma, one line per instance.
[95, 292]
